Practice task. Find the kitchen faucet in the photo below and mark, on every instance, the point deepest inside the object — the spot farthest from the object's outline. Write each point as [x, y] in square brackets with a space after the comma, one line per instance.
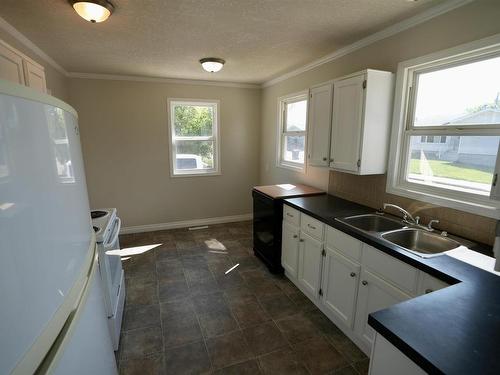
[407, 217]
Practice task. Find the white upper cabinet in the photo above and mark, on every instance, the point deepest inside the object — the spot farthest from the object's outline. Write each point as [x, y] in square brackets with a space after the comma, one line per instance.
[18, 68]
[319, 123]
[362, 104]
[11, 65]
[34, 76]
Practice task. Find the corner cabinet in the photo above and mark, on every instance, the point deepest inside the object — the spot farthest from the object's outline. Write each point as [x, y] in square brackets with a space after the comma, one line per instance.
[319, 125]
[18, 68]
[362, 109]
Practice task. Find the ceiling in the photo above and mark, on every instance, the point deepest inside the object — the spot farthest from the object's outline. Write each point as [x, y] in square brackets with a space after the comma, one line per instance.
[259, 39]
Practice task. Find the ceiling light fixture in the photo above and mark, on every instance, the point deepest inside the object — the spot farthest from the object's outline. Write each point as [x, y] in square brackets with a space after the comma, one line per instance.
[212, 64]
[93, 10]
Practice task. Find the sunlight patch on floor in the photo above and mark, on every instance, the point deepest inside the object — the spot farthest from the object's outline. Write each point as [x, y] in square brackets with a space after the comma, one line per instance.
[129, 251]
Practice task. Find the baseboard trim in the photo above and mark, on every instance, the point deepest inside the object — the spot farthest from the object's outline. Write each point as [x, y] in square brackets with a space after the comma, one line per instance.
[185, 223]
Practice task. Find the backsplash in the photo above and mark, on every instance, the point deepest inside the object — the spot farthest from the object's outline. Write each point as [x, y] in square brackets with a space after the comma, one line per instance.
[370, 191]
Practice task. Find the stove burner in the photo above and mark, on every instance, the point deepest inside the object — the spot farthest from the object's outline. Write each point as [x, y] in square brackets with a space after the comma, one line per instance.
[96, 229]
[96, 214]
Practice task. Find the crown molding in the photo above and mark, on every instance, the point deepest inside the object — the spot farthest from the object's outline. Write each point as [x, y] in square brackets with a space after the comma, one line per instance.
[12, 31]
[180, 81]
[383, 34]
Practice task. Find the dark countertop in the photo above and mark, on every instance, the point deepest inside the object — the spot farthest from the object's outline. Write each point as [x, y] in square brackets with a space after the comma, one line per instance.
[455, 330]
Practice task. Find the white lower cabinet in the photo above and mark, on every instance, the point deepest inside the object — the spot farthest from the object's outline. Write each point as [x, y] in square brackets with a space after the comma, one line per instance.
[340, 286]
[348, 280]
[374, 294]
[386, 359]
[290, 249]
[310, 254]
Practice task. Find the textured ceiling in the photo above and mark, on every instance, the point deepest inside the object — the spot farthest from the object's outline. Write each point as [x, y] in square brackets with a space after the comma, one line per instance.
[259, 39]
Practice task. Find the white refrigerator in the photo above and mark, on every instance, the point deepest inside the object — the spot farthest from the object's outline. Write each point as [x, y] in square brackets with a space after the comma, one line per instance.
[52, 315]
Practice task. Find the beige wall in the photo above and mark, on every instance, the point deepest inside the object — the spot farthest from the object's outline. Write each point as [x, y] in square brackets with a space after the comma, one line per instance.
[123, 127]
[471, 22]
[57, 82]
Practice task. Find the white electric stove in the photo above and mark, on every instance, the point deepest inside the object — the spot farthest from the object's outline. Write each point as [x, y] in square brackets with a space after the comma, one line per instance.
[107, 225]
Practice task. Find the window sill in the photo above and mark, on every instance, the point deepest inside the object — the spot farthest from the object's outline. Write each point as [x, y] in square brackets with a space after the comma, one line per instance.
[292, 167]
[196, 174]
[477, 208]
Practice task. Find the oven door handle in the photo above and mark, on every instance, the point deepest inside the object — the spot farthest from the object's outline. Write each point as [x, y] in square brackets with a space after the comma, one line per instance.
[114, 234]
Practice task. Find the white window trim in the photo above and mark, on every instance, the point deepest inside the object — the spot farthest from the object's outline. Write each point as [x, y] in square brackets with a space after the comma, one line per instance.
[216, 171]
[282, 100]
[396, 183]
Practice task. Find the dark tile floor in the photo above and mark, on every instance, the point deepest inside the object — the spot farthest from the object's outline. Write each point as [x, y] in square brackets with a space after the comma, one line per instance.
[185, 315]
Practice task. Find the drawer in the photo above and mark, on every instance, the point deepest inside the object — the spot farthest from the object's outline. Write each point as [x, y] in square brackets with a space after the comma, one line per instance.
[391, 269]
[291, 215]
[311, 226]
[344, 244]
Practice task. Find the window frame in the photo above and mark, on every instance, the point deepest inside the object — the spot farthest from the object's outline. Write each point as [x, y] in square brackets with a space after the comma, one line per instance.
[282, 102]
[403, 128]
[215, 104]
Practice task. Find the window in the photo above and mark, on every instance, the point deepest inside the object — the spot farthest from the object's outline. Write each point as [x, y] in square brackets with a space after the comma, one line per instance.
[445, 140]
[194, 130]
[292, 131]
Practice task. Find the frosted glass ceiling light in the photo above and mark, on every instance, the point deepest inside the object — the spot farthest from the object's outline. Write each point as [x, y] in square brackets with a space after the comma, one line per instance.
[93, 10]
[212, 64]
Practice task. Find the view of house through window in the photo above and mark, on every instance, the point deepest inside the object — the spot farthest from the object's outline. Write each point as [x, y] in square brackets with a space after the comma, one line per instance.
[193, 129]
[453, 132]
[293, 131]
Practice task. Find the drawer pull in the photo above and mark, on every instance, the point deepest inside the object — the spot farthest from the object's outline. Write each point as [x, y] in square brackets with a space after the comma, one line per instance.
[364, 282]
[427, 291]
[352, 274]
[295, 236]
[301, 240]
[311, 226]
[289, 214]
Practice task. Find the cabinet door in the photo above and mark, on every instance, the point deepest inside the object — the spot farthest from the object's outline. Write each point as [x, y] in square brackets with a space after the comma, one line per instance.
[320, 120]
[34, 76]
[340, 286]
[290, 249]
[310, 264]
[11, 65]
[347, 123]
[374, 294]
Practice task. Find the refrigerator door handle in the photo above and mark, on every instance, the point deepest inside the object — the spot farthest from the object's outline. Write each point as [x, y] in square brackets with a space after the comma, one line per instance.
[114, 234]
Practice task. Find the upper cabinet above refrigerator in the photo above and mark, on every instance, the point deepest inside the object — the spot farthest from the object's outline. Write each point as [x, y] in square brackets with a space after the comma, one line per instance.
[350, 132]
[18, 68]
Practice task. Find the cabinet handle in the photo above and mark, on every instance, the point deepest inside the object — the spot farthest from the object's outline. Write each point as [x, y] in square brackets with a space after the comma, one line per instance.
[289, 214]
[364, 282]
[324, 159]
[427, 291]
[301, 240]
[295, 236]
[311, 226]
[352, 274]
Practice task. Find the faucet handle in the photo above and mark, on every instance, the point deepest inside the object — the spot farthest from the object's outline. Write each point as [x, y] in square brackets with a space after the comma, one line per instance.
[417, 219]
[429, 226]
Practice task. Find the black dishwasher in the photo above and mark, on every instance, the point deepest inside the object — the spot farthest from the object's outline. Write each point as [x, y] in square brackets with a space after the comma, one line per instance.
[267, 217]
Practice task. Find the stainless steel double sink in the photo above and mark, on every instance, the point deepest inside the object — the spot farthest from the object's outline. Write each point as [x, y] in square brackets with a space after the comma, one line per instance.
[416, 240]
